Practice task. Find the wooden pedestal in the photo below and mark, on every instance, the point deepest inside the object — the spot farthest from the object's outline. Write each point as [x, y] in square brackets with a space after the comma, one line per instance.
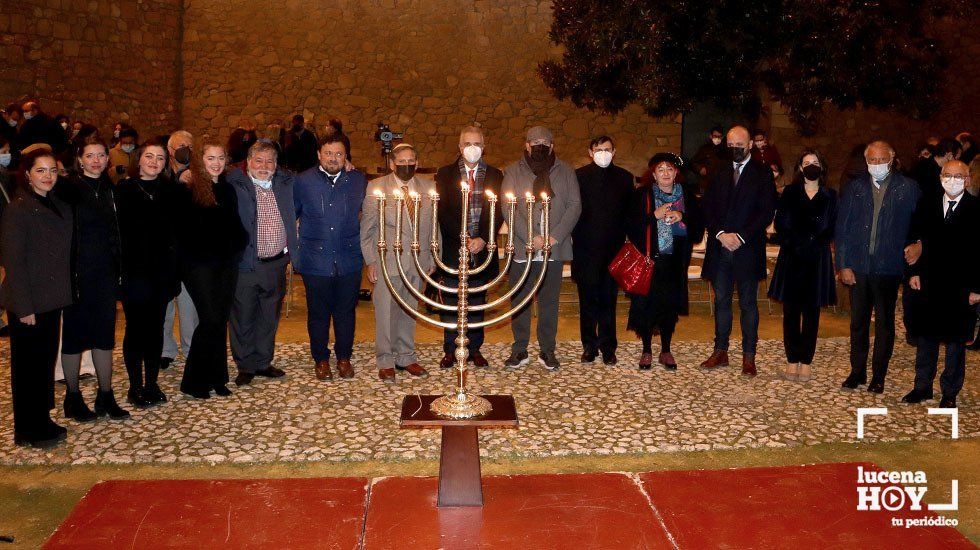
[459, 460]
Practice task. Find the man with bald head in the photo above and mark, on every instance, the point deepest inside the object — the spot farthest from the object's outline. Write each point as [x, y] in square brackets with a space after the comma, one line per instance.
[738, 206]
[946, 281]
[872, 232]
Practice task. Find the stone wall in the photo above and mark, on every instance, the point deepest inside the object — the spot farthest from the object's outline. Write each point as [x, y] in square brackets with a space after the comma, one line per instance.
[427, 68]
[95, 60]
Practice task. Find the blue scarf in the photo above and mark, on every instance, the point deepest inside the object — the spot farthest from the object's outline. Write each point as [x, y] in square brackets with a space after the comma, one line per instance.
[665, 231]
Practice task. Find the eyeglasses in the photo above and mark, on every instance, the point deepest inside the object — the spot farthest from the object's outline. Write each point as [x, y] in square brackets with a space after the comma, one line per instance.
[956, 177]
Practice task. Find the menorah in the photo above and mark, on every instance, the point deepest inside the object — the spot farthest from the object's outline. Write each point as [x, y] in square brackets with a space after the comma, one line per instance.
[461, 404]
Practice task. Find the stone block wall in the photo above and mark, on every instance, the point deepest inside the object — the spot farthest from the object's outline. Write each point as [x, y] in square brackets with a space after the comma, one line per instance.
[95, 60]
[426, 68]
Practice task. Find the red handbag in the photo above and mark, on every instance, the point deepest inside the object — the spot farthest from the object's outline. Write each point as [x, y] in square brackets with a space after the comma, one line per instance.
[631, 270]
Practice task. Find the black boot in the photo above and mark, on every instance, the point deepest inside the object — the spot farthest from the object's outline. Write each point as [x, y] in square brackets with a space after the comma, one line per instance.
[153, 394]
[76, 408]
[136, 398]
[105, 404]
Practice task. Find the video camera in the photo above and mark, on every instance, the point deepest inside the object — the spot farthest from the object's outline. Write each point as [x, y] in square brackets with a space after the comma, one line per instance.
[386, 137]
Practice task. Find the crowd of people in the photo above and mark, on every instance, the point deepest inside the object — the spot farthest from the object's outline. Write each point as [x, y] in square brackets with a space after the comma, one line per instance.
[204, 231]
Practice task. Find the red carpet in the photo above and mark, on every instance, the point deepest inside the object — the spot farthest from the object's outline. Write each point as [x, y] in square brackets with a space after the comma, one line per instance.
[789, 507]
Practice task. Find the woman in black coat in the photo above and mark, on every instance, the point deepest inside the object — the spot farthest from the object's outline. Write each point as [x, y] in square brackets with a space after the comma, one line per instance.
[803, 279]
[90, 322]
[35, 248]
[666, 219]
[210, 241]
[147, 215]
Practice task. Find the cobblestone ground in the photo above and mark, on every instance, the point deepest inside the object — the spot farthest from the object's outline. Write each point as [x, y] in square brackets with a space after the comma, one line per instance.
[582, 409]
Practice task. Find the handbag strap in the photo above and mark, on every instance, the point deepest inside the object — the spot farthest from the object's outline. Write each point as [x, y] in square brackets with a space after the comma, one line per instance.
[649, 225]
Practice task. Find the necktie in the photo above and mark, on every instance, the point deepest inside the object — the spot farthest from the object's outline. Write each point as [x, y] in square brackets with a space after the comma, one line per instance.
[409, 205]
[949, 210]
[738, 172]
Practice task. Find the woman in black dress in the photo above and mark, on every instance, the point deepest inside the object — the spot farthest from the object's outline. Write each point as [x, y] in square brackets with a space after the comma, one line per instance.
[35, 249]
[664, 218]
[90, 322]
[210, 240]
[803, 279]
[147, 216]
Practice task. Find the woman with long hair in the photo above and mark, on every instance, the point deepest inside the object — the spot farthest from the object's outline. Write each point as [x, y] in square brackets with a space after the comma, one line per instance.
[147, 210]
[665, 218]
[90, 322]
[803, 279]
[210, 241]
[35, 249]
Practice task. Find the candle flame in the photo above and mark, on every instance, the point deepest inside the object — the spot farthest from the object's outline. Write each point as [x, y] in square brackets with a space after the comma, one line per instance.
[510, 196]
[490, 195]
[413, 195]
[528, 196]
[464, 186]
[544, 196]
[433, 195]
[398, 194]
[378, 193]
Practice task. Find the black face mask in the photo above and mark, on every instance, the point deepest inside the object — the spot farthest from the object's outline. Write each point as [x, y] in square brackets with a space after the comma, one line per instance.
[405, 171]
[738, 154]
[539, 153]
[297, 128]
[182, 155]
[812, 172]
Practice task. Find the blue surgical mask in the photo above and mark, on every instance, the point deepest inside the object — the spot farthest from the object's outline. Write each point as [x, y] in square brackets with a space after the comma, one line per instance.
[264, 184]
[5, 159]
[878, 171]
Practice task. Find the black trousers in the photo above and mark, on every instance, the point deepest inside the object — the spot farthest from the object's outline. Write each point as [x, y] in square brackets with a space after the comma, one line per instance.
[474, 335]
[331, 299]
[33, 354]
[877, 293]
[212, 288]
[800, 324]
[724, 284]
[597, 314]
[145, 311]
[255, 315]
[926, 361]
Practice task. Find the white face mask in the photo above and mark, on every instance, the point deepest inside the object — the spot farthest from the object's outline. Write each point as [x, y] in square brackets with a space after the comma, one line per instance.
[472, 153]
[952, 186]
[602, 158]
[64, 125]
[28, 116]
[716, 141]
[128, 148]
[115, 133]
[12, 123]
[5, 159]
[878, 171]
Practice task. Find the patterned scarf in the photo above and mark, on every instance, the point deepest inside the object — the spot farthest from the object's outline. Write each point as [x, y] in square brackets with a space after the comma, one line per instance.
[665, 231]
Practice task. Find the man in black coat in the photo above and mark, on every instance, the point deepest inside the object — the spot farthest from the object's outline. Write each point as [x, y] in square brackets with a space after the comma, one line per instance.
[946, 279]
[481, 177]
[38, 127]
[926, 171]
[738, 206]
[299, 147]
[599, 234]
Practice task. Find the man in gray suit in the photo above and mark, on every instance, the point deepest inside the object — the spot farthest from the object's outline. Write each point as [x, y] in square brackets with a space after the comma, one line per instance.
[395, 341]
[539, 171]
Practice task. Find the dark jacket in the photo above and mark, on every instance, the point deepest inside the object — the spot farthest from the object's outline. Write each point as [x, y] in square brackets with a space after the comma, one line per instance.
[148, 216]
[746, 209]
[949, 269]
[299, 151]
[35, 250]
[804, 271]
[601, 228]
[209, 235]
[926, 174]
[448, 179]
[42, 129]
[282, 188]
[329, 222]
[853, 231]
[638, 219]
[96, 243]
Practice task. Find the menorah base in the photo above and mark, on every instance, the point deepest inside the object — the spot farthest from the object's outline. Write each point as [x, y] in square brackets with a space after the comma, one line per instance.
[460, 405]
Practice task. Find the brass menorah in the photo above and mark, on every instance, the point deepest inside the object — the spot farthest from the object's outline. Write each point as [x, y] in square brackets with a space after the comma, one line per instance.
[461, 404]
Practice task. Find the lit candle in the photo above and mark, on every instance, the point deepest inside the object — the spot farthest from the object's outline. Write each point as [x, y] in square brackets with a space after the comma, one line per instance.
[434, 238]
[512, 206]
[546, 205]
[416, 202]
[464, 234]
[493, 215]
[381, 216]
[399, 199]
[529, 200]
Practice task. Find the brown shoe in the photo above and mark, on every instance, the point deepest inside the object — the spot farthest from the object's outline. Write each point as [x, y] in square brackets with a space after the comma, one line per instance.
[478, 360]
[322, 370]
[748, 364]
[414, 369]
[667, 360]
[387, 375]
[448, 361]
[718, 359]
[343, 366]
